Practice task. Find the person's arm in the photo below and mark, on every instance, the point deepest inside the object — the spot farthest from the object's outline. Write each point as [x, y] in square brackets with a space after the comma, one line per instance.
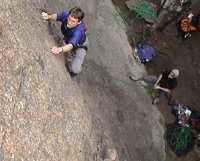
[158, 87]
[158, 80]
[164, 89]
[65, 48]
[47, 16]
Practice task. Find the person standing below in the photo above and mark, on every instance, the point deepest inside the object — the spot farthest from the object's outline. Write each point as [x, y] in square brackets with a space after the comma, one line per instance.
[165, 83]
[72, 28]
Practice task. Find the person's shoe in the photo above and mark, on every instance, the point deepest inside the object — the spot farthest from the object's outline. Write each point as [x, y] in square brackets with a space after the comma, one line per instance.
[168, 96]
[155, 101]
[133, 78]
[69, 60]
[72, 74]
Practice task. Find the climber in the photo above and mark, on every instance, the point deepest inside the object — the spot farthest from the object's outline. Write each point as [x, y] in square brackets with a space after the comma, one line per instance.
[73, 29]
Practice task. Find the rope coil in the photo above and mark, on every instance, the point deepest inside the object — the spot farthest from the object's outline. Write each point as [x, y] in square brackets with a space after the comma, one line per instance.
[181, 136]
[143, 10]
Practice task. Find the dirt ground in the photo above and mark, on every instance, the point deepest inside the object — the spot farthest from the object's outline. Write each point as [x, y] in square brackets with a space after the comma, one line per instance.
[172, 52]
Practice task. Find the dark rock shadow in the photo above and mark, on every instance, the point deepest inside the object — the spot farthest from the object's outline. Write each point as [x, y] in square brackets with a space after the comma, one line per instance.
[0, 30]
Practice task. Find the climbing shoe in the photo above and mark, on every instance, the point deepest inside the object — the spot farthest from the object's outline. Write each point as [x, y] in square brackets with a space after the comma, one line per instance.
[155, 101]
[72, 74]
[133, 78]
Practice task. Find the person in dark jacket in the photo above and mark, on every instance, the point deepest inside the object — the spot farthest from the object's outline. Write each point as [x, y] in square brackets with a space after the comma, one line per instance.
[165, 83]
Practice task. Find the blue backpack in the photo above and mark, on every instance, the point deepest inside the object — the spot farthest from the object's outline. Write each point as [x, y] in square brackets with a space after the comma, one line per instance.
[145, 52]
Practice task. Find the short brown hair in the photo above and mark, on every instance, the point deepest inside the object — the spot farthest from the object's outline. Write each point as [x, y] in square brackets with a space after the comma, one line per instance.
[77, 13]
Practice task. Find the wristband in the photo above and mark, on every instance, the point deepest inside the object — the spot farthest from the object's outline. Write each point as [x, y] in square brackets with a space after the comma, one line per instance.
[61, 49]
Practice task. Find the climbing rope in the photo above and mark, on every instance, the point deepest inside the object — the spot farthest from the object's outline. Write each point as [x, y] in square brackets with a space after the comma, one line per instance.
[181, 136]
[119, 17]
[143, 10]
[104, 73]
[141, 74]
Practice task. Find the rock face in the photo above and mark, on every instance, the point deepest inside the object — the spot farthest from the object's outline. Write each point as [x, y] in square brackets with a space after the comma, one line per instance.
[46, 115]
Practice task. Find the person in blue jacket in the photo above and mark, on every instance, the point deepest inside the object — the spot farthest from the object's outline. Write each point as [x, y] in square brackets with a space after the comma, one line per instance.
[72, 28]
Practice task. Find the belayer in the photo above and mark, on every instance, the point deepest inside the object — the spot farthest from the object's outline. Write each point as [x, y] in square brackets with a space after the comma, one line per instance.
[165, 83]
[73, 29]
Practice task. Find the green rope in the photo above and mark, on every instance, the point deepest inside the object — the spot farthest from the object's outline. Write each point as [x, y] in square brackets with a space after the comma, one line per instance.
[147, 86]
[143, 10]
[104, 73]
[119, 17]
[181, 138]
[141, 74]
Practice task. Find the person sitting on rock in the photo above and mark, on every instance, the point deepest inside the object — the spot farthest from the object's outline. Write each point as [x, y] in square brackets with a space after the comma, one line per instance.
[72, 28]
[165, 83]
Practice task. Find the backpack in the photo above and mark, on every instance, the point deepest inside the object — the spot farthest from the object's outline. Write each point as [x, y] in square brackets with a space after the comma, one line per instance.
[195, 120]
[187, 25]
[85, 26]
[195, 125]
[145, 53]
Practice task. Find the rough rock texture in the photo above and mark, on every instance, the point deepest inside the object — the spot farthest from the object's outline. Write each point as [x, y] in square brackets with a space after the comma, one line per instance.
[46, 115]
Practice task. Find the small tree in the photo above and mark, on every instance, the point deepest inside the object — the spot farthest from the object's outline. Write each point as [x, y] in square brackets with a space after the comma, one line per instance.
[158, 20]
